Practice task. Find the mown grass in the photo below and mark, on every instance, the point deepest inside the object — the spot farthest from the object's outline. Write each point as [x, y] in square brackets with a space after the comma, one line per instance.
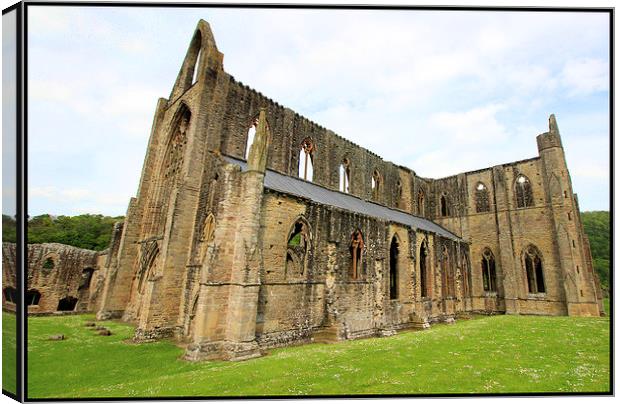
[500, 354]
[9, 352]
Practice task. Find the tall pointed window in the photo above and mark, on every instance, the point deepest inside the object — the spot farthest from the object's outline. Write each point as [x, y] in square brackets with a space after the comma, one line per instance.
[375, 185]
[394, 268]
[523, 192]
[489, 282]
[306, 168]
[421, 203]
[425, 282]
[443, 205]
[356, 248]
[344, 172]
[297, 248]
[250, 138]
[534, 270]
[196, 67]
[482, 198]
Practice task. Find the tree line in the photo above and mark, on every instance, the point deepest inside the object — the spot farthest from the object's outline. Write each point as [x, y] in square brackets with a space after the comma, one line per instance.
[93, 232]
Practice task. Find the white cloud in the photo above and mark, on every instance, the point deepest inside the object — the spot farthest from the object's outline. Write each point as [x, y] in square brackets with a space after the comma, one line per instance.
[475, 126]
[439, 92]
[586, 76]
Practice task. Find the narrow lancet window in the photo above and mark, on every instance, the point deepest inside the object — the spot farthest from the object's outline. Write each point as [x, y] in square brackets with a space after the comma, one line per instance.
[306, 168]
[443, 206]
[534, 270]
[394, 268]
[250, 138]
[356, 249]
[344, 172]
[375, 185]
[424, 276]
[482, 198]
[489, 282]
[523, 192]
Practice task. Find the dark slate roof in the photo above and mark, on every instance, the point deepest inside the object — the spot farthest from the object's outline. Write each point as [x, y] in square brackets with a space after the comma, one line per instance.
[298, 187]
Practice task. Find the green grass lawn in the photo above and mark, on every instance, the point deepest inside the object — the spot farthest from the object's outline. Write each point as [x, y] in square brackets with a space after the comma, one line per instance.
[9, 352]
[499, 354]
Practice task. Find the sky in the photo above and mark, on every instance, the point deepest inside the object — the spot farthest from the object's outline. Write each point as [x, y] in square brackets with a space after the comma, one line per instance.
[9, 109]
[441, 92]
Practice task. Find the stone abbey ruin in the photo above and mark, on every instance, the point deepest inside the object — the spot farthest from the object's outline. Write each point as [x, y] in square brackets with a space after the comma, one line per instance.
[254, 227]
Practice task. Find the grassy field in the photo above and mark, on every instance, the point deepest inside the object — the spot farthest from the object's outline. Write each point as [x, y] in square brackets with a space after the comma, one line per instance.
[501, 354]
[9, 352]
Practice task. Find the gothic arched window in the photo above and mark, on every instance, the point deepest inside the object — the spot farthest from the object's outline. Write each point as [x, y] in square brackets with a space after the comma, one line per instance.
[482, 198]
[345, 173]
[425, 279]
[297, 248]
[375, 185]
[356, 248]
[306, 160]
[443, 205]
[532, 260]
[421, 202]
[489, 282]
[250, 137]
[523, 192]
[394, 268]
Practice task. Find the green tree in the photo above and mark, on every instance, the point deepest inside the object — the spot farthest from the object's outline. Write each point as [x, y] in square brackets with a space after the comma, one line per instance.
[597, 227]
[92, 232]
[9, 229]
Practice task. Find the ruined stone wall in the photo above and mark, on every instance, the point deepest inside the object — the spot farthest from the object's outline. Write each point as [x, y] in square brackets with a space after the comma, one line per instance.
[9, 277]
[551, 224]
[55, 272]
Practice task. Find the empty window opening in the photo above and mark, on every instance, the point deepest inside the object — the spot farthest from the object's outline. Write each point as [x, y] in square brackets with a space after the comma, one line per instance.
[534, 270]
[425, 284]
[10, 294]
[297, 248]
[421, 202]
[356, 248]
[67, 304]
[569, 216]
[49, 263]
[443, 202]
[523, 192]
[482, 198]
[577, 268]
[489, 281]
[306, 168]
[87, 276]
[375, 184]
[574, 246]
[565, 194]
[196, 67]
[344, 176]
[250, 137]
[394, 268]
[581, 291]
[32, 297]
